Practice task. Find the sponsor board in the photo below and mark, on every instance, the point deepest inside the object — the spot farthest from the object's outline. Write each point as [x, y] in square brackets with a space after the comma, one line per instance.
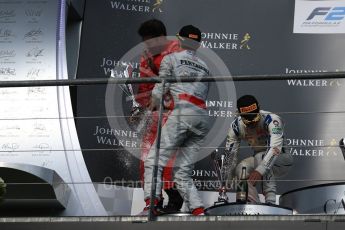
[312, 82]
[312, 148]
[140, 6]
[226, 41]
[319, 17]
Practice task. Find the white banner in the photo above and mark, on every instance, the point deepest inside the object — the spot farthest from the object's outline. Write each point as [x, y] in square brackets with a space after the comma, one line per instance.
[319, 17]
[36, 123]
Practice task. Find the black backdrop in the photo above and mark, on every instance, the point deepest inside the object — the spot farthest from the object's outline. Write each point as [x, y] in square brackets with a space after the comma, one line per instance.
[110, 31]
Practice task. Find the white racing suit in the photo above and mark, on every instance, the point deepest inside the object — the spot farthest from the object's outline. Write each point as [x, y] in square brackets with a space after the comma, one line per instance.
[186, 127]
[269, 159]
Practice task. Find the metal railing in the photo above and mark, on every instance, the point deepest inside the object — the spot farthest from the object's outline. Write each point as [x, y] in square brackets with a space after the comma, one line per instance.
[164, 80]
[103, 81]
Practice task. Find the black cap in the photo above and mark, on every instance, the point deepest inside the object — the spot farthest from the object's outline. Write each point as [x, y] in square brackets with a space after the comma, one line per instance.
[248, 104]
[190, 32]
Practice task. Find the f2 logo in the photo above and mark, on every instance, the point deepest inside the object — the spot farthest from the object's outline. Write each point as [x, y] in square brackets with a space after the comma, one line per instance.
[335, 14]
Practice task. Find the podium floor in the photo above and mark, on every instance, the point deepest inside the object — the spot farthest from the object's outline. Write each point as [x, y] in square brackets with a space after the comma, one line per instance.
[295, 222]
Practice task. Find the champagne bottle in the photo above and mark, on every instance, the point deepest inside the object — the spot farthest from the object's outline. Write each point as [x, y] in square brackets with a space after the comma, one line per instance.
[242, 188]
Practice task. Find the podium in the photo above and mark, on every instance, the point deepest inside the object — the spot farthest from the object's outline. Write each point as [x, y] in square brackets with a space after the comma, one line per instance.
[32, 191]
[318, 199]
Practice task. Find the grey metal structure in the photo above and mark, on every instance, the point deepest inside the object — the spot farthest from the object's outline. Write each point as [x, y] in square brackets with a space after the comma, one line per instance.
[104, 81]
[319, 199]
[74, 25]
[61, 189]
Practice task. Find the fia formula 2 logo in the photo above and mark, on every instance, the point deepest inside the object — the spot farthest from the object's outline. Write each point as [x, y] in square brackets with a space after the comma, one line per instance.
[328, 13]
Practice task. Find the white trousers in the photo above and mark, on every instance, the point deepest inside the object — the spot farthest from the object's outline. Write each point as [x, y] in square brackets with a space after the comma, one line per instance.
[281, 166]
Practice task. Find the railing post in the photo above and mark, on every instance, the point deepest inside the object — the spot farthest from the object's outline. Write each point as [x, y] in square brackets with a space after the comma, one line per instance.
[152, 216]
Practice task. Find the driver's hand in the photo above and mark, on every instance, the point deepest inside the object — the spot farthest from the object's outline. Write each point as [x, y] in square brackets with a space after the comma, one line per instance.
[152, 105]
[254, 177]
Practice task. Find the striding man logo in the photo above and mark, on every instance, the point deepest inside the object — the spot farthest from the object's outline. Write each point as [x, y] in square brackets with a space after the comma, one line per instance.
[335, 83]
[245, 41]
[333, 143]
[332, 146]
[157, 6]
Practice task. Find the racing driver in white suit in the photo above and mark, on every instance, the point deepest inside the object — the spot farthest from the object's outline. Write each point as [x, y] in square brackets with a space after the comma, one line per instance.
[264, 132]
